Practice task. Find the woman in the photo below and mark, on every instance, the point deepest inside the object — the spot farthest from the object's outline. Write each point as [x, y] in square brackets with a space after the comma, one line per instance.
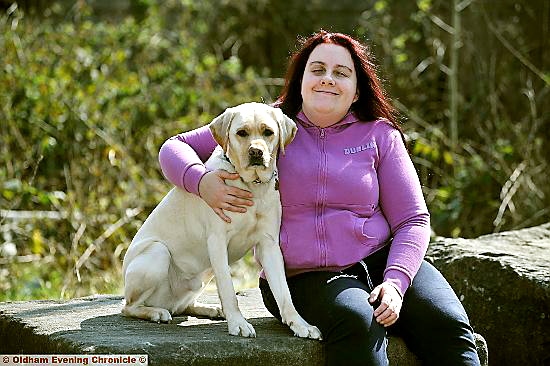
[355, 226]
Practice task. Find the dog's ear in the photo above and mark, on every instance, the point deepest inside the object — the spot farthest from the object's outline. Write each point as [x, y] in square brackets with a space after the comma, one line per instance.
[287, 129]
[220, 127]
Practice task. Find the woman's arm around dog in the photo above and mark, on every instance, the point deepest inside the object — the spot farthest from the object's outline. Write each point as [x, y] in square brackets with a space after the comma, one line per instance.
[182, 159]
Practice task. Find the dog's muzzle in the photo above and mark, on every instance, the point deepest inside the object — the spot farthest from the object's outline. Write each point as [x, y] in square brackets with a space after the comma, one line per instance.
[256, 157]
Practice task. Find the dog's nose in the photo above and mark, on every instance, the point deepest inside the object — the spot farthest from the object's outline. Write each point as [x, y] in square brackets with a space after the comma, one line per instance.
[256, 156]
[254, 152]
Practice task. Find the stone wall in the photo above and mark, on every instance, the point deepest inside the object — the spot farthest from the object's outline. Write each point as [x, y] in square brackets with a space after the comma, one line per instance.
[503, 281]
[94, 325]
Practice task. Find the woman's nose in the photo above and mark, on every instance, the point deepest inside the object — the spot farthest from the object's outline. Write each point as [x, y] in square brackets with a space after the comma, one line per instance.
[327, 80]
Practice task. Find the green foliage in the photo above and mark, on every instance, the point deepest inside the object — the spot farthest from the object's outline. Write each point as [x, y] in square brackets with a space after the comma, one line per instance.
[85, 106]
[491, 180]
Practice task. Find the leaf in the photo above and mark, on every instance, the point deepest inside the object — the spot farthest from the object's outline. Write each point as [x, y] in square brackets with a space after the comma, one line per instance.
[448, 158]
[37, 242]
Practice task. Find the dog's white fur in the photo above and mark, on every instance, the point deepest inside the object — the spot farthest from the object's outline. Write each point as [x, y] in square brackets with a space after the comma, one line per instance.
[183, 243]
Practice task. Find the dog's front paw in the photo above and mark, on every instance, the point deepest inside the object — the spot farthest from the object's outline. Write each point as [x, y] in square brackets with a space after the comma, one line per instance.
[303, 330]
[241, 327]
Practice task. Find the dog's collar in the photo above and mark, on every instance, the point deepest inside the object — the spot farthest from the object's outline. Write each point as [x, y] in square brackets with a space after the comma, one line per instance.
[275, 174]
[226, 158]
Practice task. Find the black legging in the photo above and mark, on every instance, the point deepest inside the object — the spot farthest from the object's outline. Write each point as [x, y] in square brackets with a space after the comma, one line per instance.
[432, 322]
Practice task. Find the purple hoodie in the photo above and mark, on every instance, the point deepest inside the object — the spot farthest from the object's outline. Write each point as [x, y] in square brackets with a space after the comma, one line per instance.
[346, 190]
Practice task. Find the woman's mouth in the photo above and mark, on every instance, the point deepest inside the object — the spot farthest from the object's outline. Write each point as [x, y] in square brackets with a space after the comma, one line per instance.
[326, 92]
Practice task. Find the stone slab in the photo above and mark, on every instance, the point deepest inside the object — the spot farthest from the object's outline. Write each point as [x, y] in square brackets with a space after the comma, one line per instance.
[503, 280]
[94, 325]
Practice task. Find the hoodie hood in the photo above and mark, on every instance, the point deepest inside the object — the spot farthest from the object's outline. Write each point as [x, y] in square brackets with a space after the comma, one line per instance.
[350, 117]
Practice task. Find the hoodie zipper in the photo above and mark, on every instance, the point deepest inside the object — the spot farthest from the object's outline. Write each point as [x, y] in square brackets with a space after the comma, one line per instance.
[321, 198]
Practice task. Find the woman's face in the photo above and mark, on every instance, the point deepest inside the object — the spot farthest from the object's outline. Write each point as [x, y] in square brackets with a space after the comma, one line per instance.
[329, 84]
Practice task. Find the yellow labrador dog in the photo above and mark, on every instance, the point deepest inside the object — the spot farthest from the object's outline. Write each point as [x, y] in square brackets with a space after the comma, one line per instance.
[183, 243]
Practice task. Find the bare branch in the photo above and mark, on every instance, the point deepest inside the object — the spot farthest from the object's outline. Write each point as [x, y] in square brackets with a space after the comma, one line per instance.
[441, 24]
[517, 54]
[507, 193]
[106, 234]
[32, 215]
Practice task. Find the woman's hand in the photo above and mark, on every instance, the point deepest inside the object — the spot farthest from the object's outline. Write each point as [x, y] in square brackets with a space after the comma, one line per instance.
[219, 196]
[391, 301]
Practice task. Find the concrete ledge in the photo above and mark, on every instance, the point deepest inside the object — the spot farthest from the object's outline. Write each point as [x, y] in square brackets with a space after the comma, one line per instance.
[95, 325]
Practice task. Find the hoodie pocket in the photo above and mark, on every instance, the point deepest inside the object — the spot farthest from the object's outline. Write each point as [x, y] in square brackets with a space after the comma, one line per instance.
[364, 227]
[362, 232]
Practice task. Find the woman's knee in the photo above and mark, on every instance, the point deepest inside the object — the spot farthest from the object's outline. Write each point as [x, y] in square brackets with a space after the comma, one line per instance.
[433, 321]
[338, 305]
[353, 316]
[432, 298]
[355, 333]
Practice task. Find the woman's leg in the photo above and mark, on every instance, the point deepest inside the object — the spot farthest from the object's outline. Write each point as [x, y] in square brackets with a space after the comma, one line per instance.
[434, 323]
[337, 304]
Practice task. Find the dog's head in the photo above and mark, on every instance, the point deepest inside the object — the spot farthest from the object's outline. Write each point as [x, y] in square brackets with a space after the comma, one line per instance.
[250, 135]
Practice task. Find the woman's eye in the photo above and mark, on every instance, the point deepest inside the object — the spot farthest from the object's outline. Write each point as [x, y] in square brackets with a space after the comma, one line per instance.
[317, 71]
[242, 133]
[268, 133]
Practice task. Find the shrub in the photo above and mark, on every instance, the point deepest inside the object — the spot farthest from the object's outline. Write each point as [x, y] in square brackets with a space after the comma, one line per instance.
[85, 105]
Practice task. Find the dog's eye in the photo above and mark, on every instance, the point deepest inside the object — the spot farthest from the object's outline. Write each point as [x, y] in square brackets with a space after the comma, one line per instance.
[242, 133]
[268, 132]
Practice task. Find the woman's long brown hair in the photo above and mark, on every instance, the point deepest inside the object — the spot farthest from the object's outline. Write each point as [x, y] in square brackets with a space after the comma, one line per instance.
[373, 103]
